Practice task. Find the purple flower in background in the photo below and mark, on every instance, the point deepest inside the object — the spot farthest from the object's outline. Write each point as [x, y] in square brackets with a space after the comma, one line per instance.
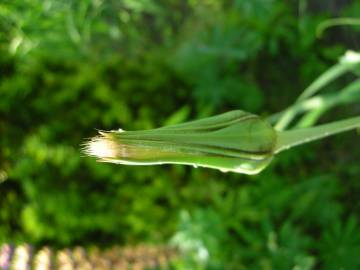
[6, 254]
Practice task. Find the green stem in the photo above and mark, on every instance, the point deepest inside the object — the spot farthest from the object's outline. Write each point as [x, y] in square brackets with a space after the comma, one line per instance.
[291, 138]
[349, 94]
[335, 22]
[346, 63]
[327, 77]
[346, 95]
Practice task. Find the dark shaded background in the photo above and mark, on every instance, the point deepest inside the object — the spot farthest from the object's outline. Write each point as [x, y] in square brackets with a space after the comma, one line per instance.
[70, 67]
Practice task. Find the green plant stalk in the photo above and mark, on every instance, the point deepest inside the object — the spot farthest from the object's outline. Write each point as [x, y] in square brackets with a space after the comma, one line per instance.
[327, 77]
[335, 22]
[321, 102]
[348, 62]
[349, 94]
[291, 138]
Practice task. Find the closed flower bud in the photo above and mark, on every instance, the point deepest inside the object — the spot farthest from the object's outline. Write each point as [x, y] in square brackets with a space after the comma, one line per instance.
[234, 141]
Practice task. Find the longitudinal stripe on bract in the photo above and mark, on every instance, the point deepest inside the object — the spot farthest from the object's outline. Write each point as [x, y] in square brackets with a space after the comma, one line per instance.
[190, 126]
[169, 130]
[201, 149]
[179, 141]
[217, 126]
[197, 145]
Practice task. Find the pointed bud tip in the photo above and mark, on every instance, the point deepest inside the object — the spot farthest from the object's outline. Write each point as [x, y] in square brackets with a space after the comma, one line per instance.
[101, 147]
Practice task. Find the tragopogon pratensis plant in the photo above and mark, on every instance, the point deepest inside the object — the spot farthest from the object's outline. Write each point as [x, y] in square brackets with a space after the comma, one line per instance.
[235, 141]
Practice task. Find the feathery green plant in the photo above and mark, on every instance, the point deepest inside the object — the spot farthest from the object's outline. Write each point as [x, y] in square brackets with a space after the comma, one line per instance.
[235, 141]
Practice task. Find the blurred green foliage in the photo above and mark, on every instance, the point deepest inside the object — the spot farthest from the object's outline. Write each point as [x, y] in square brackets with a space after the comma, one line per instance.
[68, 67]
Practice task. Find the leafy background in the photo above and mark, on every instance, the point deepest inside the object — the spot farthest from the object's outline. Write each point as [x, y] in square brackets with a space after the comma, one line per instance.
[70, 67]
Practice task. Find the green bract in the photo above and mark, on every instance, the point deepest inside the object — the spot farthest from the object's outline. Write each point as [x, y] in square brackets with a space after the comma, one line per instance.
[234, 141]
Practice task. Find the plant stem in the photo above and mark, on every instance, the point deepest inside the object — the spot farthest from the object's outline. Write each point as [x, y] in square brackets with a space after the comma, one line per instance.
[346, 63]
[335, 22]
[288, 139]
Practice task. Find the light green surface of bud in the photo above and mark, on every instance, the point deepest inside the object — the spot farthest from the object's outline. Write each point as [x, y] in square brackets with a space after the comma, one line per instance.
[234, 141]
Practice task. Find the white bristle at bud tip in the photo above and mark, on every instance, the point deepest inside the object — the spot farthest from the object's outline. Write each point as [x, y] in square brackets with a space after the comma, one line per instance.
[101, 147]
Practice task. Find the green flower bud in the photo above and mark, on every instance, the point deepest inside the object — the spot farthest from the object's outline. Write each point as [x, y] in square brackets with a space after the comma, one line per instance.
[234, 141]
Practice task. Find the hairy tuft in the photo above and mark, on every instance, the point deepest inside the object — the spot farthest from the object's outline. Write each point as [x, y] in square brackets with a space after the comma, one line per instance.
[101, 147]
